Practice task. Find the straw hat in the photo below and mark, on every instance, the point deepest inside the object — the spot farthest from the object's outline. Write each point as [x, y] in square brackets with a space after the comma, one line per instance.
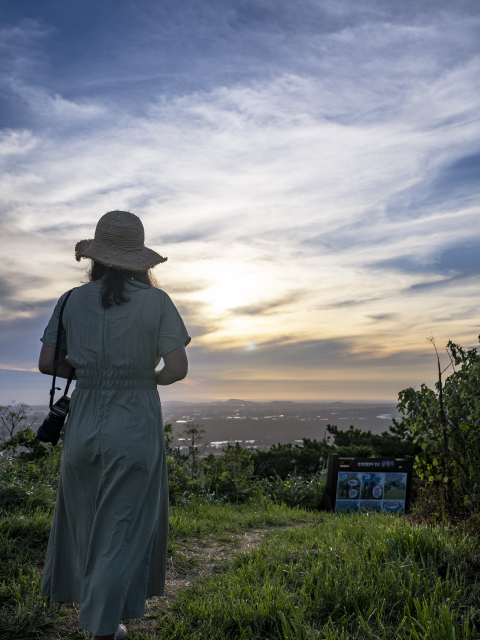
[119, 243]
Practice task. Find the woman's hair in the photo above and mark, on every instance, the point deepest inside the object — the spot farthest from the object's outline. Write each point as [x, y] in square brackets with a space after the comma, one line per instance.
[114, 284]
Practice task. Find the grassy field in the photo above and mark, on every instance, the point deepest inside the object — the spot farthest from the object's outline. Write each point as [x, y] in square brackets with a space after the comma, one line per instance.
[258, 570]
[345, 577]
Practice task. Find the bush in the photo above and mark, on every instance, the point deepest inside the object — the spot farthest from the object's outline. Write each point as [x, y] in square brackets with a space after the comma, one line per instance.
[284, 459]
[294, 491]
[355, 443]
[15, 418]
[445, 423]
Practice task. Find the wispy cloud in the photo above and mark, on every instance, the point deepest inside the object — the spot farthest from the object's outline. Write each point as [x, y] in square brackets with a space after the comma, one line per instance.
[308, 170]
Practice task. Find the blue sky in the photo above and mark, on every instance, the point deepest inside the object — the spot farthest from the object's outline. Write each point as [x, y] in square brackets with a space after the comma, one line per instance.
[311, 169]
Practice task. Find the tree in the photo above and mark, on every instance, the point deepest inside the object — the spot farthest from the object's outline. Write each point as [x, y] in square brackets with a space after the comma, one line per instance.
[16, 421]
[193, 435]
[396, 442]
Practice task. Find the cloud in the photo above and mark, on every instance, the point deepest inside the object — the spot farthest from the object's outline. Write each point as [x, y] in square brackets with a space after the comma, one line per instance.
[455, 262]
[327, 150]
[380, 317]
[267, 307]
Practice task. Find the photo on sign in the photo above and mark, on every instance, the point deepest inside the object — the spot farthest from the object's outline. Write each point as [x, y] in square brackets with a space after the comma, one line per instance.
[394, 506]
[372, 486]
[395, 486]
[370, 506]
[347, 507]
[348, 486]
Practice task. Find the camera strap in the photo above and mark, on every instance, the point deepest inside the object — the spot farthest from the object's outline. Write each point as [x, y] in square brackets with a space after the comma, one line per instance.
[57, 355]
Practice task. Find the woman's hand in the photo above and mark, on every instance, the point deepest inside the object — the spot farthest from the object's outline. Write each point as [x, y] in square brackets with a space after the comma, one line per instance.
[175, 367]
[45, 362]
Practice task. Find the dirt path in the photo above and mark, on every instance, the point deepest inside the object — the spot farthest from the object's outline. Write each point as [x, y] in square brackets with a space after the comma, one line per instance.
[210, 558]
[190, 561]
[206, 559]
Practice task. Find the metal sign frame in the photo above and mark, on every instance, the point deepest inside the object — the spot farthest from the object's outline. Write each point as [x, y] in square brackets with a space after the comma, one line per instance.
[338, 464]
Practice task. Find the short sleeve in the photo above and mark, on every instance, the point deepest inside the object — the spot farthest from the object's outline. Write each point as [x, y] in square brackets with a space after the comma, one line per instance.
[50, 334]
[172, 332]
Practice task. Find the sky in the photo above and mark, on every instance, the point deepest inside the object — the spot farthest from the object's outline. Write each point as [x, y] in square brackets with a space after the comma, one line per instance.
[311, 170]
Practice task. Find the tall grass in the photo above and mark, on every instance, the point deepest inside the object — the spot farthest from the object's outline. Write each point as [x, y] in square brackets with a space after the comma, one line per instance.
[201, 519]
[27, 498]
[360, 577]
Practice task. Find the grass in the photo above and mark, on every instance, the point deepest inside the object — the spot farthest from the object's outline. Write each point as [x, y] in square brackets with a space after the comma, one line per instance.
[257, 571]
[199, 519]
[27, 499]
[357, 577]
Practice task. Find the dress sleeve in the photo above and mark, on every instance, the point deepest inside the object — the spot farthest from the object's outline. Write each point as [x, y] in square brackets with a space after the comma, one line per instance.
[50, 334]
[172, 333]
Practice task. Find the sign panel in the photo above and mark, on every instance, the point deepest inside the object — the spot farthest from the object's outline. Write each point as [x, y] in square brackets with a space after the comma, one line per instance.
[368, 485]
[378, 492]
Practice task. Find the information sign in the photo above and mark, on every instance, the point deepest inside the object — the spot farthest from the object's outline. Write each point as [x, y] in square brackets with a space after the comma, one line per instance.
[368, 485]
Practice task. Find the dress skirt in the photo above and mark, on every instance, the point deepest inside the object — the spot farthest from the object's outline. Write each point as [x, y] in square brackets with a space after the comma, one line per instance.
[108, 544]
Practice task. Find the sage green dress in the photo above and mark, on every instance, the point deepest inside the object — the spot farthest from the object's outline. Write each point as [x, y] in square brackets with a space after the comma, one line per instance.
[108, 543]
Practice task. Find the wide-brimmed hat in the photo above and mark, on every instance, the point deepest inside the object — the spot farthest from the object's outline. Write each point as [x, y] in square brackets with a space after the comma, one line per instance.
[119, 243]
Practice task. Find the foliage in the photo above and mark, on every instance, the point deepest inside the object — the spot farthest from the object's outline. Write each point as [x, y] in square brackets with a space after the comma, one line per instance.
[396, 442]
[29, 484]
[193, 435]
[294, 491]
[284, 459]
[28, 489]
[445, 422]
[17, 434]
[308, 459]
[230, 475]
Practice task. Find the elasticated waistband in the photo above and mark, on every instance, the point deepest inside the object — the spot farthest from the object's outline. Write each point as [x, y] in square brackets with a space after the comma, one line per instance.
[88, 378]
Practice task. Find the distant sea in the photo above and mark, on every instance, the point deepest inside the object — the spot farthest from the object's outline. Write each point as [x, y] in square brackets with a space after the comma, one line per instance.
[261, 424]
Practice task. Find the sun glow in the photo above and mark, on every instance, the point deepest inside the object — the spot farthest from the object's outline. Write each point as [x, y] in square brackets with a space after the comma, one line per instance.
[235, 285]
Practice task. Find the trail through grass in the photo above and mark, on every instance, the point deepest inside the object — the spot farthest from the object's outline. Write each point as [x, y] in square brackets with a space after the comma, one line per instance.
[257, 571]
[203, 538]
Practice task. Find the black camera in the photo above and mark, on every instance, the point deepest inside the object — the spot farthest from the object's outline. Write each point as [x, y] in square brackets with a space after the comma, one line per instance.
[50, 430]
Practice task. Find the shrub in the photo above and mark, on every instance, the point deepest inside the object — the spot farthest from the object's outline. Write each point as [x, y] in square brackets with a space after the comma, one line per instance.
[445, 422]
[294, 491]
[284, 459]
[396, 442]
[15, 418]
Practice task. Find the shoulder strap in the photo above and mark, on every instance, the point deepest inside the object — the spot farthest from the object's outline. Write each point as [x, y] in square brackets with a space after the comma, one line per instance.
[57, 352]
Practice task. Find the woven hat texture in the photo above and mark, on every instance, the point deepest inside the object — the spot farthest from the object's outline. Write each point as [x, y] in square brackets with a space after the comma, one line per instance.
[119, 243]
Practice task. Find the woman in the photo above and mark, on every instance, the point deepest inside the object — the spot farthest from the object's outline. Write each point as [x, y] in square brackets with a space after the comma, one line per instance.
[108, 542]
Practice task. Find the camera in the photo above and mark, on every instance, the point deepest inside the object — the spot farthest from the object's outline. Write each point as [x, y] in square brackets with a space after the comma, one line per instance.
[51, 427]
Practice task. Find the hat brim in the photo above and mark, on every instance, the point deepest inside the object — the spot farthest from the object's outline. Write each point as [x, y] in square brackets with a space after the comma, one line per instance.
[138, 260]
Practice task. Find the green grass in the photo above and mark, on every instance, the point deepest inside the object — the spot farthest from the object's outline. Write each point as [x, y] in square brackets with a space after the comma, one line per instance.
[330, 578]
[357, 577]
[199, 519]
[27, 498]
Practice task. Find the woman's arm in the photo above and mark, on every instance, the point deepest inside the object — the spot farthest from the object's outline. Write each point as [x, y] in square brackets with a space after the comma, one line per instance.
[45, 362]
[175, 367]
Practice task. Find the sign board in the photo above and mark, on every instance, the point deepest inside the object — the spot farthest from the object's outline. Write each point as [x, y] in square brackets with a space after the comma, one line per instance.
[368, 485]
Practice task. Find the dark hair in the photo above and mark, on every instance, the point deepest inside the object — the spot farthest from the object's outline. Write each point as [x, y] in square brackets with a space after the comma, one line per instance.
[114, 282]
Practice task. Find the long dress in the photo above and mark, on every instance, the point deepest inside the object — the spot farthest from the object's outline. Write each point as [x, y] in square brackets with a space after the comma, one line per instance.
[108, 543]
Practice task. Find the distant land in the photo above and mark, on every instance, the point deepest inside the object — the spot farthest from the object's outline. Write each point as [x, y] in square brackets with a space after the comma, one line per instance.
[261, 424]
